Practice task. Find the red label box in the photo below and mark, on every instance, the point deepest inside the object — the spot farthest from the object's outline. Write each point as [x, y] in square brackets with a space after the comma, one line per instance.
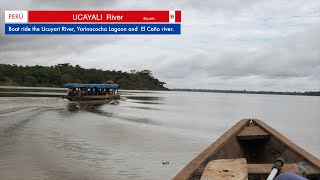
[166, 16]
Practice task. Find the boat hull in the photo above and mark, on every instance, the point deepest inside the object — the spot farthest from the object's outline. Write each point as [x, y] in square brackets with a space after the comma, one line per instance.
[260, 145]
[92, 98]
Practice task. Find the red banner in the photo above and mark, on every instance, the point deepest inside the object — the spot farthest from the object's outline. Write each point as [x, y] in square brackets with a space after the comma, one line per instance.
[104, 16]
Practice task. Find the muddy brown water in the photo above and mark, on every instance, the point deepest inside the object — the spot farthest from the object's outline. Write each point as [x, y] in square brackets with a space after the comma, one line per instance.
[149, 135]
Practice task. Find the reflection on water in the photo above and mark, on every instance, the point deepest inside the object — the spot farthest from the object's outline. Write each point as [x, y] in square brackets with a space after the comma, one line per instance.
[52, 138]
[74, 107]
[103, 108]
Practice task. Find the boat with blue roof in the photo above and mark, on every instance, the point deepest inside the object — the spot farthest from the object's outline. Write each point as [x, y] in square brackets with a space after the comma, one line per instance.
[91, 92]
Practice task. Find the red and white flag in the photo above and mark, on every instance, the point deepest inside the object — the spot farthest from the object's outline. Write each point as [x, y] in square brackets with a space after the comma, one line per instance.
[172, 16]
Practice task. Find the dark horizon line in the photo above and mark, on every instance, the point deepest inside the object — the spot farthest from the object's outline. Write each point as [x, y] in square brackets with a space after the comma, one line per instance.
[309, 93]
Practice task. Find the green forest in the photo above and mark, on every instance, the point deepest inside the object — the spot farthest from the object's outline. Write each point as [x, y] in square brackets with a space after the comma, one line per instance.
[56, 76]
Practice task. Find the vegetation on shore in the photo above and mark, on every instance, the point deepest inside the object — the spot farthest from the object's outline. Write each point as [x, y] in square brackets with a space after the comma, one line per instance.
[56, 76]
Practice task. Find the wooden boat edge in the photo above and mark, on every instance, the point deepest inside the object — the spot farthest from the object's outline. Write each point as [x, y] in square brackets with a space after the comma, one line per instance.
[291, 145]
[212, 149]
[233, 131]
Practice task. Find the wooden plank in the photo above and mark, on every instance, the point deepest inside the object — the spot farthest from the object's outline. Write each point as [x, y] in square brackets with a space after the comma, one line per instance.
[252, 132]
[230, 169]
[199, 161]
[266, 168]
[263, 169]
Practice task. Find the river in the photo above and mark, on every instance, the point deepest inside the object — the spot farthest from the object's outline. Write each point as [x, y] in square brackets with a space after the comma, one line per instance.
[51, 138]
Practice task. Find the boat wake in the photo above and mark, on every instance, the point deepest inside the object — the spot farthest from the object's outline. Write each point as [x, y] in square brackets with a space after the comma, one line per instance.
[114, 102]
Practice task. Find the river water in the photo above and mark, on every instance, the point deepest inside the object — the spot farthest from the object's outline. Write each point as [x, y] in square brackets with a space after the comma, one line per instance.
[51, 138]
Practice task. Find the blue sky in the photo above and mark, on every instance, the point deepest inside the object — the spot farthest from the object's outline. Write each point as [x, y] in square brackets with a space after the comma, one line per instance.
[253, 45]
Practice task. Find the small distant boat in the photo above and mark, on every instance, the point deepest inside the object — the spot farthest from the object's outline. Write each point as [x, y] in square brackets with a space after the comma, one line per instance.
[248, 150]
[91, 92]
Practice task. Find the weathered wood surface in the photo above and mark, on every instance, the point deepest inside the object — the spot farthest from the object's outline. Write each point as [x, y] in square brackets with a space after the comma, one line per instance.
[266, 168]
[252, 132]
[255, 169]
[226, 169]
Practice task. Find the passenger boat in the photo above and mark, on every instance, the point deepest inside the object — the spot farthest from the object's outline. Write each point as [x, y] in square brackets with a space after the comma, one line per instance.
[91, 92]
[247, 151]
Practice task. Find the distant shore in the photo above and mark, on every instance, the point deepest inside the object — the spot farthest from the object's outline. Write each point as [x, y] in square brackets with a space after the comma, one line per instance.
[17, 91]
[306, 93]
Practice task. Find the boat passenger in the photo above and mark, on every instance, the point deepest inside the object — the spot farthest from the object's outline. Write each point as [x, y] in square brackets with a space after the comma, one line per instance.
[110, 92]
[289, 176]
[70, 92]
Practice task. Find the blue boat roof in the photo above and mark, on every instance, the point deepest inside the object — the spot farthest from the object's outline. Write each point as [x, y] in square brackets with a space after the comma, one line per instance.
[75, 85]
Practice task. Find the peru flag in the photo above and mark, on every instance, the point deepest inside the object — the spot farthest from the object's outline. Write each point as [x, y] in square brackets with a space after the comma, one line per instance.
[174, 16]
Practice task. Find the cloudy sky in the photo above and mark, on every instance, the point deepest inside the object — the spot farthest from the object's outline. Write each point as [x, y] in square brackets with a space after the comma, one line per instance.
[225, 44]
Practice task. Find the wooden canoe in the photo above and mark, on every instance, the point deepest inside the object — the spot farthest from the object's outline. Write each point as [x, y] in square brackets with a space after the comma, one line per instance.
[260, 145]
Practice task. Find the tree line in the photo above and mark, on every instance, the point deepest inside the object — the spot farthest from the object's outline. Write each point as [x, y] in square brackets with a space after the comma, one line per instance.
[306, 93]
[57, 75]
